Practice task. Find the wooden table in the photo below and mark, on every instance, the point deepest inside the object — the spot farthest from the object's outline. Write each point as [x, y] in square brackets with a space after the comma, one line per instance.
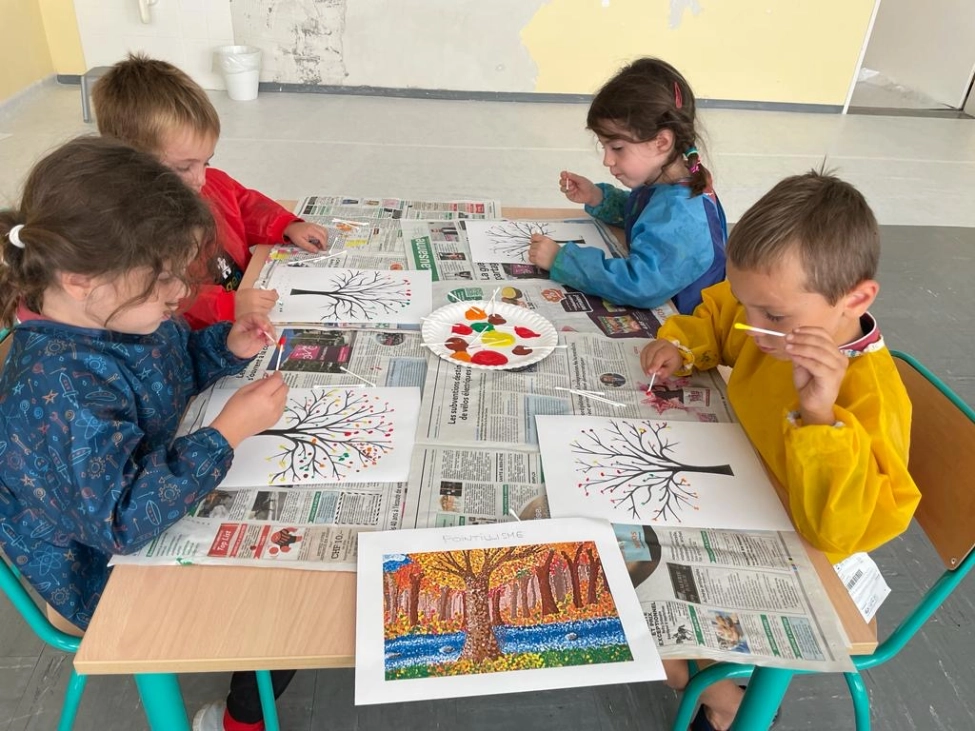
[158, 620]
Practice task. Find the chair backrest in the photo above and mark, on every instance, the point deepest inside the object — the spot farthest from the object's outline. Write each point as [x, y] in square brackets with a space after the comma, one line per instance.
[32, 614]
[942, 461]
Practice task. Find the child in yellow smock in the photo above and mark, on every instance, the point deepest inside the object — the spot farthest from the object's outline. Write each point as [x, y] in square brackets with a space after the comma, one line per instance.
[817, 392]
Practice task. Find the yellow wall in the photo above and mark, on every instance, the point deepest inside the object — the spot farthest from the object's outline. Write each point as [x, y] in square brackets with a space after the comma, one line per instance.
[63, 38]
[24, 56]
[800, 51]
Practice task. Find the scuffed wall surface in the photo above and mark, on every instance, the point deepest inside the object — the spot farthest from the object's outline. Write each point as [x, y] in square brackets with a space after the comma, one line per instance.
[432, 44]
[302, 40]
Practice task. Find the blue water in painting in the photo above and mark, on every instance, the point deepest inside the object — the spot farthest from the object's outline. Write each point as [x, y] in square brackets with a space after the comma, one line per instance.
[411, 650]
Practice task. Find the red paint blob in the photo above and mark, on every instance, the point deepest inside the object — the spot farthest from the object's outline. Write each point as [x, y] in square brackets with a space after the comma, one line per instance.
[489, 358]
[524, 332]
[461, 329]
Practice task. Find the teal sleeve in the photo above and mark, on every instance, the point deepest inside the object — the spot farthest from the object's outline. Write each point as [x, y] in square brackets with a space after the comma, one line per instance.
[612, 208]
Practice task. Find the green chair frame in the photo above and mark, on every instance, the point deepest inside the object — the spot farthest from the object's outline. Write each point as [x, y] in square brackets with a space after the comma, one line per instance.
[35, 618]
[942, 463]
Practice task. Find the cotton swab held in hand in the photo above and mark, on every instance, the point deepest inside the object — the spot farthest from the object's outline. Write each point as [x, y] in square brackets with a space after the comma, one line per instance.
[277, 365]
[762, 330]
[354, 375]
[653, 377]
[299, 262]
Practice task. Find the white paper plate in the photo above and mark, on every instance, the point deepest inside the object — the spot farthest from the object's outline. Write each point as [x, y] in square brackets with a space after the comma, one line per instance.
[446, 324]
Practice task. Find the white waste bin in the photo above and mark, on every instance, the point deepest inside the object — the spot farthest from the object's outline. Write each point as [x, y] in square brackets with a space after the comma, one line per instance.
[241, 69]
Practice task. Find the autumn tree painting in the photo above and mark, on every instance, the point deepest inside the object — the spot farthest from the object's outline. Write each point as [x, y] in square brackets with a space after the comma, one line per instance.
[637, 464]
[498, 609]
[354, 294]
[330, 434]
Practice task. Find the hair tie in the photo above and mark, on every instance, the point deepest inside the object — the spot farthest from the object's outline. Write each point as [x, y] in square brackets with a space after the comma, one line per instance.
[678, 99]
[692, 152]
[14, 235]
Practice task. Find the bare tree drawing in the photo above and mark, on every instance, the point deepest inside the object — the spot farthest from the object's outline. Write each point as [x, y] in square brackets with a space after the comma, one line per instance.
[634, 460]
[330, 434]
[361, 295]
[511, 238]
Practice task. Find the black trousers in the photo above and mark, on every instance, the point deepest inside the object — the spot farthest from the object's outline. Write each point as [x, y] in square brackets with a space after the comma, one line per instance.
[244, 701]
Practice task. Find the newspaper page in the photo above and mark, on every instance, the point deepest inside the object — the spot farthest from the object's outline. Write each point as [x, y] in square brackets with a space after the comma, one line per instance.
[316, 356]
[309, 527]
[491, 408]
[745, 597]
[319, 207]
[249, 543]
[441, 248]
[453, 486]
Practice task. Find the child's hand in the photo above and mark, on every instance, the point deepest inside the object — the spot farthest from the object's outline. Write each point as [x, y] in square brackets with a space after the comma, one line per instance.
[818, 368]
[662, 358]
[307, 236]
[542, 251]
[254, 408]
[251, 300]
[249, 334]
[579, 189]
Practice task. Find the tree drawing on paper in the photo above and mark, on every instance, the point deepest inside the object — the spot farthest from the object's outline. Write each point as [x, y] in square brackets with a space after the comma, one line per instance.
[331, 434]
[360, 295]
[512, 238]
[634, 463]
[497, 609]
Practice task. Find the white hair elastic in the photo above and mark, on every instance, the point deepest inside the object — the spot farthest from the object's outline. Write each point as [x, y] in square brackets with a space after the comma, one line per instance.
[14, 236]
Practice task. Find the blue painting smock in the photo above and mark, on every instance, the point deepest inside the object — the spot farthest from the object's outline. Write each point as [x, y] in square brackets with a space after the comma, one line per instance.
[676, 248]
[88, 463]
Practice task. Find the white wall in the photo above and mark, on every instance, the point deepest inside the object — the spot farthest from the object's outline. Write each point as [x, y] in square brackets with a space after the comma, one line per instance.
[183, 32]
[925, 45]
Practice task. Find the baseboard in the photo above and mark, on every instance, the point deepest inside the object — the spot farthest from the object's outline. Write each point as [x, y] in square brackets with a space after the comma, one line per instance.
[507, 96]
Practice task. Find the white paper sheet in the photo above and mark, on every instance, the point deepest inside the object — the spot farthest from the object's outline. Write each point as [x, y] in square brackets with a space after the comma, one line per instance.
[331, 434]
[616, 639]
[349, 296]
[507, 241]
[656, 472]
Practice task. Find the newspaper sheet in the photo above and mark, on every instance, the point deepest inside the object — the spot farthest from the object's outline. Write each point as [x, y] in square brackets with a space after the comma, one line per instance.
[746, 597]
[487, 408]
[442, 248]
[318, 207]
[249, 543]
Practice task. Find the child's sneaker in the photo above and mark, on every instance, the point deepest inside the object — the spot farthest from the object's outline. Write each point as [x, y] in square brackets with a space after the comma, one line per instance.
[210, 717]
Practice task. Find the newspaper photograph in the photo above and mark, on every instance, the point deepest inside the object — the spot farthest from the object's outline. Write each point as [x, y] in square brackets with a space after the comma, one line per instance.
[747, 597]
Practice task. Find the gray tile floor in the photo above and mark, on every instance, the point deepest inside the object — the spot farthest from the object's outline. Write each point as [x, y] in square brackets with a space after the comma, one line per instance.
[919, 174]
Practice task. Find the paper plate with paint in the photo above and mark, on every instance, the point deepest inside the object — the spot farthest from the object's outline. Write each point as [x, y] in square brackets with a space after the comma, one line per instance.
[492, 335]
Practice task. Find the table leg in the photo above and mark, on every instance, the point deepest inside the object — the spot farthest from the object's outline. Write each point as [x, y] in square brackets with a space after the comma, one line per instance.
[762, 698]
[162, 701]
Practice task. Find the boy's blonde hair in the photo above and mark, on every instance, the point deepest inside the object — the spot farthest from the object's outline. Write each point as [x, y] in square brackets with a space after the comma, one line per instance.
[826, 220]
[141, 100]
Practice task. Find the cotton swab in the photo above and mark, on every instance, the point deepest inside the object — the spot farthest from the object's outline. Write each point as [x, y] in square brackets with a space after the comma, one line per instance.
[300, 262]
[347, 222]
[586, 394]
[454, 297]
[579, 390]
[354, 375]
[277, 365]
[762, 330]
[513, 514]
[653, 377]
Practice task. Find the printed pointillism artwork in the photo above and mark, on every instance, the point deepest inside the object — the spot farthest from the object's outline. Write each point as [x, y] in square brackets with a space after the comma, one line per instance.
[701, 475]
[496, 609]
[350, 296]
[508, 241]
[332, 434]
[512, 606]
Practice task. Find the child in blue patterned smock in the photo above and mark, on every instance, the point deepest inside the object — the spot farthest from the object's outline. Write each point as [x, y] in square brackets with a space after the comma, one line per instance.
[101, 368]
[644, 118]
